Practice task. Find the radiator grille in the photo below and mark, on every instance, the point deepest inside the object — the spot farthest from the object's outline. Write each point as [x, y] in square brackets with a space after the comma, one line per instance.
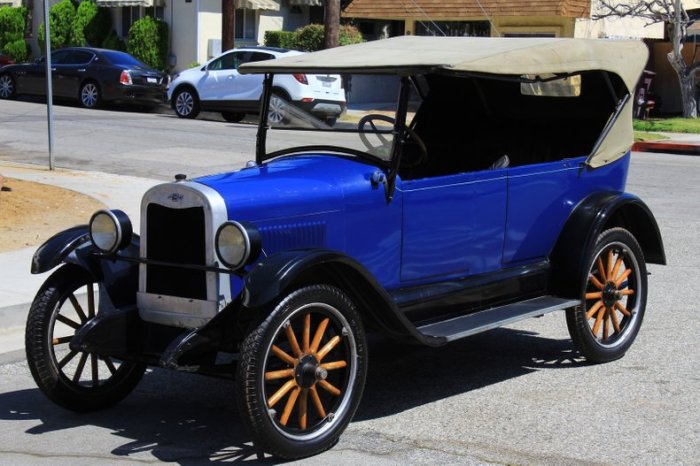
[176, 236]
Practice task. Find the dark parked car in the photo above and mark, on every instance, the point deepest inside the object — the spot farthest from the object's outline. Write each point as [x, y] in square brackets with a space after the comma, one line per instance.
[90, 76]
[426, 226]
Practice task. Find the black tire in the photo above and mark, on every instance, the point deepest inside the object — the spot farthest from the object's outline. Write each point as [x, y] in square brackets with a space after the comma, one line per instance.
[316, 421]
[614, 296]
[233, 117]
[54, 317]
[186, 103]
[90, 95]
[7, 87]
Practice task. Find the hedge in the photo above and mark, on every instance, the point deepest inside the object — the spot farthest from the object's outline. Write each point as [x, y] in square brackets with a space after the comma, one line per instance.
[311, 38]
[284, 39]
[12, 24]
[148, 41]
[86, 12]
[113, 42]
[61, 18]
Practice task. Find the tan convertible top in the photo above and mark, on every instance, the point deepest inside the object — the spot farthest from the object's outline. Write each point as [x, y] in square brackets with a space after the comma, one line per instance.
[505, 56]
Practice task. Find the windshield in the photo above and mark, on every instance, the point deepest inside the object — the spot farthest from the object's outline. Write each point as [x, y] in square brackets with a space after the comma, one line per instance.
[353, 113]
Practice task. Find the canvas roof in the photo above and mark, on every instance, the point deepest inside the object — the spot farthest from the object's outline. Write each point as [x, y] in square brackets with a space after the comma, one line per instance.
[408, 55]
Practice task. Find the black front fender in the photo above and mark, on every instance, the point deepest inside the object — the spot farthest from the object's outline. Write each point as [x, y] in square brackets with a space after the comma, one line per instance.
[56, 249]
[275, 276]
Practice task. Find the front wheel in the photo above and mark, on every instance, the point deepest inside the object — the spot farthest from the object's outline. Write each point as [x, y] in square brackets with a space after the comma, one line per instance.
[302, 372]
[614, 298]
[75, 380]
[186, 103]
[90, 96]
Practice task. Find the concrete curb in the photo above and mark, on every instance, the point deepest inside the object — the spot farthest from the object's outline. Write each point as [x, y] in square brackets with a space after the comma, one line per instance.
[670, 147]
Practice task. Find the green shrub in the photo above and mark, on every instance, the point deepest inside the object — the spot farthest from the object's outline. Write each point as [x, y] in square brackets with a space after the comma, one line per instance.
[194, 64]
[284, 39]
[12, 24]
[61, 18]
[349, 34]
[85, 13]
[148, 41]
[17, 50]
[99, 27]
[113, 42]
[309, 38]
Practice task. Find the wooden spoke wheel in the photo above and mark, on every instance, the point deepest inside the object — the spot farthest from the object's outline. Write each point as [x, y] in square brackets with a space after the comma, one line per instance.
[302, 372]
[76, 380]
[614, 298]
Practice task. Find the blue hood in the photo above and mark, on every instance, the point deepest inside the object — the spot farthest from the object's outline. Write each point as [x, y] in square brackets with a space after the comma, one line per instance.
[291, 187]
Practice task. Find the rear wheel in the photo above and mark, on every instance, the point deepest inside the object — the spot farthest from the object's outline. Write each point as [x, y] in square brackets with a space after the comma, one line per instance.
[614, 298]
[7, 87]
[72, 379]
[277, 113]
[90, 96]
[302, 372]
[186, 103]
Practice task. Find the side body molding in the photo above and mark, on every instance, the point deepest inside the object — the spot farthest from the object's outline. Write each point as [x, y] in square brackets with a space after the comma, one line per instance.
[589, 219]
[271, 277]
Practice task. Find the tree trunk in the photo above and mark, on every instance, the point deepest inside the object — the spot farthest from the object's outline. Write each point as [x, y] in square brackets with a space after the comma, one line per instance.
[228, 18]
[690, 106]
[686, 77]
[332, 20]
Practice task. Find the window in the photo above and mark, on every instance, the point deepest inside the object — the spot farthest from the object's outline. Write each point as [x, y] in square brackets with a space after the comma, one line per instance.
[60, 57]
[453, 28]
[245, 24]
[230, 61]
[79, 57]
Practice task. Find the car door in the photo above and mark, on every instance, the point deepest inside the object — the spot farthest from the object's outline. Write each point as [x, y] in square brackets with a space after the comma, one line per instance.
[453, 225]
[223, 86]
[70, 73]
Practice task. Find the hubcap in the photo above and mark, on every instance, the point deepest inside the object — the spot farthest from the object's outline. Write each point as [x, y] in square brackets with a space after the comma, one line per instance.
[89, 95]
[184, 103]
[277, 110]
[5, 87]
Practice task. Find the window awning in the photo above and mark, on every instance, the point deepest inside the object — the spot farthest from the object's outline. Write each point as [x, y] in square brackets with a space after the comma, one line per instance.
[258, 4]
[121, 3]
[305, 2]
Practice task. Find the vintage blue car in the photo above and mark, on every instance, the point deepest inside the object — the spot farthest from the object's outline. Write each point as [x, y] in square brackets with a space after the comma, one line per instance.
[485, 185]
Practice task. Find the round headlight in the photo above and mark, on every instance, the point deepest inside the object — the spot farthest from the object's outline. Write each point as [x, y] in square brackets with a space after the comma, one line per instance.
[110, 230]
[236, 244]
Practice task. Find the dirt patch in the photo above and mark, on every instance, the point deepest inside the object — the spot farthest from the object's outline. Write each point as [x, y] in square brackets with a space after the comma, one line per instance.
[30, 213]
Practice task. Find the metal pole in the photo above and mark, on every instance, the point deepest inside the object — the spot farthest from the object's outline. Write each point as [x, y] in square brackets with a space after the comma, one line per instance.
[49, 83]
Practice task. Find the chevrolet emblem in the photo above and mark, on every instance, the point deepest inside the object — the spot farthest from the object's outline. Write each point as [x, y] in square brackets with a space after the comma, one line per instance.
[176, 197]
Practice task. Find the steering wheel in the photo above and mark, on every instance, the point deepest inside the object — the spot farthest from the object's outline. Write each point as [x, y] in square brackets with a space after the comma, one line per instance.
[422, 153]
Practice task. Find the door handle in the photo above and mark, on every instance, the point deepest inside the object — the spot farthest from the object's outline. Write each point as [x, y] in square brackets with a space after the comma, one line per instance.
[81, 70]
[53, 69]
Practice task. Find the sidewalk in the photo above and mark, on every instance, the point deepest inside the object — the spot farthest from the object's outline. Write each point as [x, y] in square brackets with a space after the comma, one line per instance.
[677, 143]
[17, 285]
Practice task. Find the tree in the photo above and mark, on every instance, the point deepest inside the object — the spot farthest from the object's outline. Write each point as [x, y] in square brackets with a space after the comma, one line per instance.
[61, 18]
[332, 23]
[228, 24]
[673, 14]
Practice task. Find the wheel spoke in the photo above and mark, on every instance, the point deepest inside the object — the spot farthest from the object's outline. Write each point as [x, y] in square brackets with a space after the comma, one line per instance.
[317, 402]
[95, 370]
[78, 308]
[610, 264]
[616, 269]
[283, 374]
[79, 370]
[303, 409]
[289, 406]
[279, 394]
[622, 309]
[282, 355]
[601, 269]
[62, 340]
[606, 325]
[623, 277]
[91, 300]
[329, 366]
[293, 340]
[327, 349]
[110, 365]
[615, 322]
[67, 359]
[319, 334]
[329, 388]
[594, 295]
[592, 278]
[67, 321]
[591, 312]
[598, 321]
[307, 332]
[627, 292]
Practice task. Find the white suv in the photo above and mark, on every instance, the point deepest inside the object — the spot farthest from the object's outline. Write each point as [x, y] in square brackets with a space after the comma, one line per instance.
[219, 87]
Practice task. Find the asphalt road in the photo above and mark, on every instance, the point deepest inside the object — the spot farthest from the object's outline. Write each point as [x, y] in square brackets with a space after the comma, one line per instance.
[517, 395]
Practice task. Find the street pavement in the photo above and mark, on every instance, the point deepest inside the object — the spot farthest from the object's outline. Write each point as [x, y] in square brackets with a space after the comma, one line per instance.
[518, 395]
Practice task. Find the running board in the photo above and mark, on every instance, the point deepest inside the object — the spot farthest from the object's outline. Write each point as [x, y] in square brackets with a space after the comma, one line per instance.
[471, 324]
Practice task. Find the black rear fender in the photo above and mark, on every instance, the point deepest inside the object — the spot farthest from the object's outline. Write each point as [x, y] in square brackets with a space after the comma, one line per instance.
[591, 217]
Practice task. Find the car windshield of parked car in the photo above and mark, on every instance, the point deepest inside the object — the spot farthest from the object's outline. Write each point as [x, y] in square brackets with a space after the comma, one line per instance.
[122, 59]
[313, 110]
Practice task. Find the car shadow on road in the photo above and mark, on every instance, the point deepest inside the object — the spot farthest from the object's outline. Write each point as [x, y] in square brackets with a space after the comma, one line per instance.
[193, 420]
